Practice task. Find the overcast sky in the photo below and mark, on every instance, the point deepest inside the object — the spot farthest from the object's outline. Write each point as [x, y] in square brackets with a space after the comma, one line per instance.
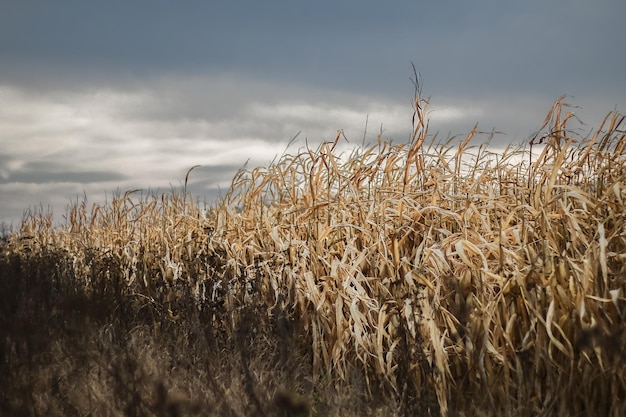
[99, 96]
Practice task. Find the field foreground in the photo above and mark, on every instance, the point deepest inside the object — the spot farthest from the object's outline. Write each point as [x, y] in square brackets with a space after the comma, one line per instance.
[414, 279]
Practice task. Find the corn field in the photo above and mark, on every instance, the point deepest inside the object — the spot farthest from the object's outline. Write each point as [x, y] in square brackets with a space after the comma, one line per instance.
[452, 279]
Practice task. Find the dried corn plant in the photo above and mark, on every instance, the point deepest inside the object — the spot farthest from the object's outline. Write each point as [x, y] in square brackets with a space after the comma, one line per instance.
[465, 280]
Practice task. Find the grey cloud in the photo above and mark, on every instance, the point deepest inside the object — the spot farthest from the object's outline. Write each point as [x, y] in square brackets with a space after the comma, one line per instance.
[4, 166]
[148, 33]
[41, 172]
[209, 181]
[346, 45]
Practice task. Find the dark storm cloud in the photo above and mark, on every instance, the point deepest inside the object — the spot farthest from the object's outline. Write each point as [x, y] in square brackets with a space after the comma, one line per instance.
[461, 47]
[159, 36]
[142, 33]
[53, 172]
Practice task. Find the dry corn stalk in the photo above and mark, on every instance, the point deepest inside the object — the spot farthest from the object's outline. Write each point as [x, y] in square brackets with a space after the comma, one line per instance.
[496, 282]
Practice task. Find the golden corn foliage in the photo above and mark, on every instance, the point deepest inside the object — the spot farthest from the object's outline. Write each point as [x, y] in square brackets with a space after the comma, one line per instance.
[486, 281]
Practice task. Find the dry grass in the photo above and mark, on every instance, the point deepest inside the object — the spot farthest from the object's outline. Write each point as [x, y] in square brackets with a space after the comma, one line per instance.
[444, 281]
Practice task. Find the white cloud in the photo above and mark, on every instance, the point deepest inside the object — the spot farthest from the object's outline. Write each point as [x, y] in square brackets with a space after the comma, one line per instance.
[447, 113]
